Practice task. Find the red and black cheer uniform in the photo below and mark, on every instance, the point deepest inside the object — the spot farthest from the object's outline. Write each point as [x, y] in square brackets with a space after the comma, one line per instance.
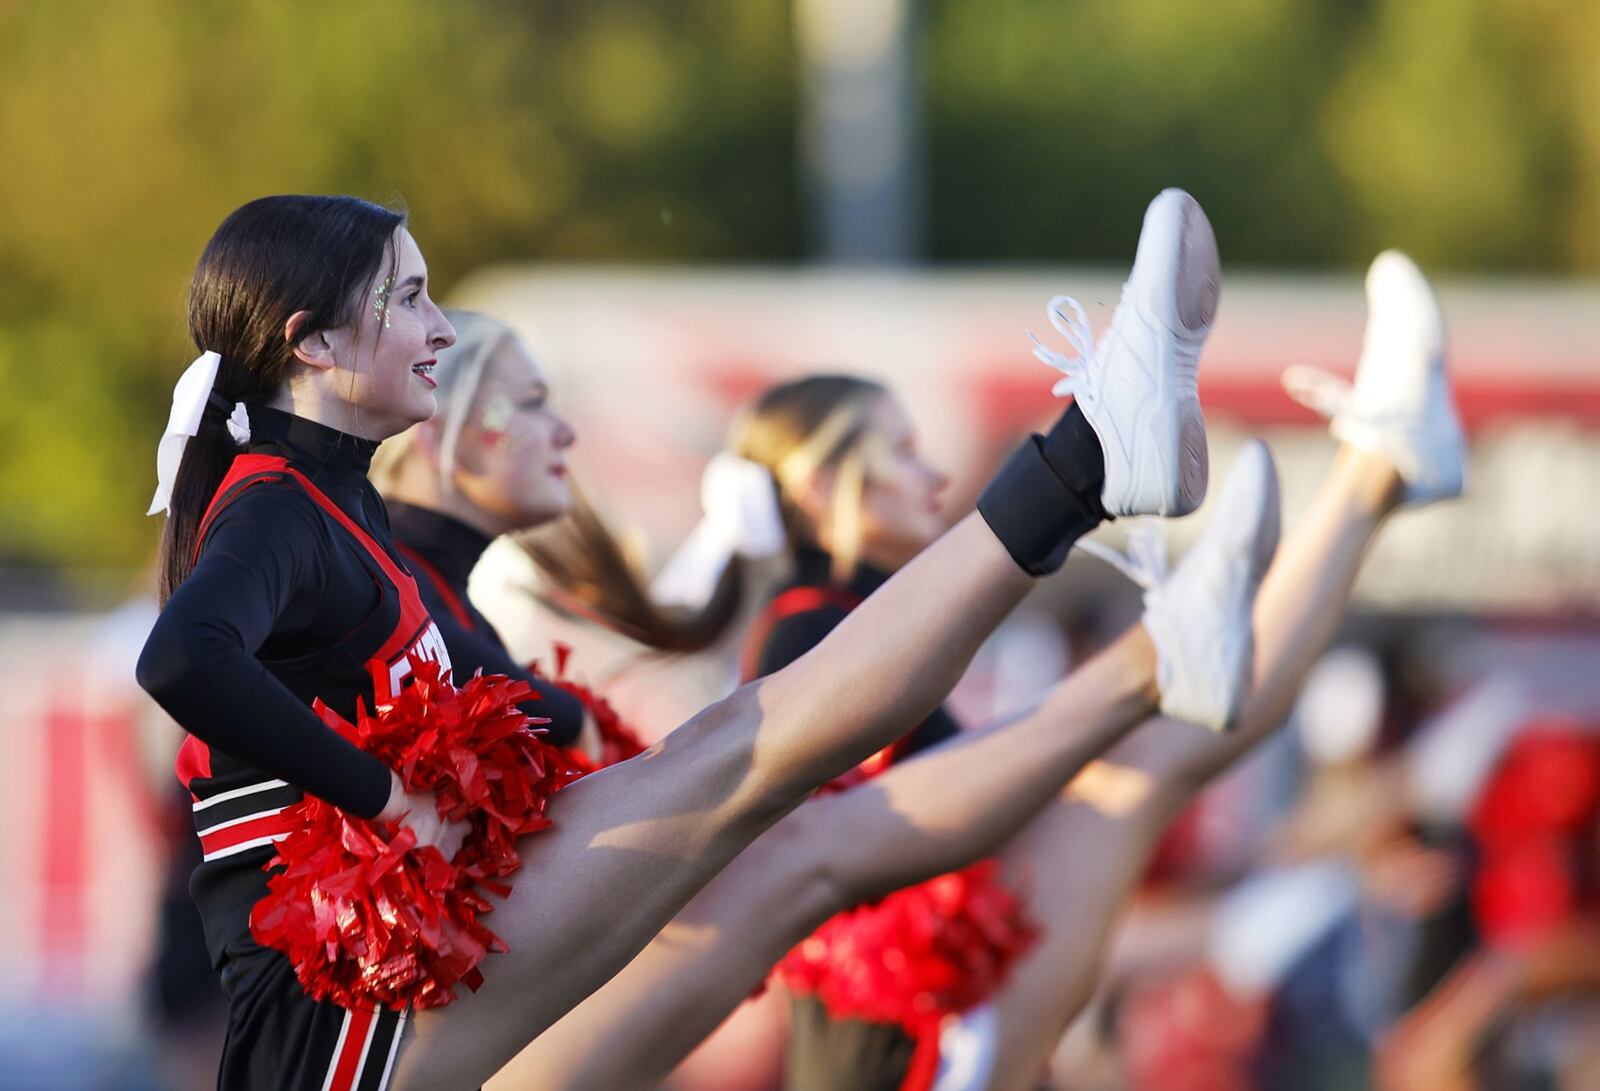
[823, 1051]
[297, 593]
[1045, 497]
[808, 608]
[441, 553]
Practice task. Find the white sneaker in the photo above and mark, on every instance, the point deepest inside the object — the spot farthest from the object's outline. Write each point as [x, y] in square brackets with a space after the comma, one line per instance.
[1199, 617]
[1400, 406]
[1137, 387]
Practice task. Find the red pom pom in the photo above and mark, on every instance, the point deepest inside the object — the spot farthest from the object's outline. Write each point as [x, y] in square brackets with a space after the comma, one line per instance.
[938, 948]
[364, 915]
[1523, 892]
[930, 950]
[618, 741]
[1547, 782]
[1529, 821]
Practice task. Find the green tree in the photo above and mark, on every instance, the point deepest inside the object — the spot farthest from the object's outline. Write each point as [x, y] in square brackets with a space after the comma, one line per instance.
[1448, 139]
[1465, 130]
[1054, 124]
[604, 130]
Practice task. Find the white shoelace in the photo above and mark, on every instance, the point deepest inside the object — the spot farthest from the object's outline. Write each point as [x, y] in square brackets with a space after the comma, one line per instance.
[1145, 560]
[1334, 398]
[1322, 392]
[1076, 369]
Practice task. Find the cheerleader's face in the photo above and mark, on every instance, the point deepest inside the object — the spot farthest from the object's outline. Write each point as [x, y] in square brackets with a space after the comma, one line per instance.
[511, 458]
[382, 363]
[900, 510]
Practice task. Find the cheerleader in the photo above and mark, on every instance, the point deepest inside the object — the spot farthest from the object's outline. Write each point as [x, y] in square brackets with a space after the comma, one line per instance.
[1082, 855]
[447, 522]
[1084, 848]
[281, 586]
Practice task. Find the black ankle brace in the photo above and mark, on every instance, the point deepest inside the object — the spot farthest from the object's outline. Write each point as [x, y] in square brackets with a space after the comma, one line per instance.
[1047, 495]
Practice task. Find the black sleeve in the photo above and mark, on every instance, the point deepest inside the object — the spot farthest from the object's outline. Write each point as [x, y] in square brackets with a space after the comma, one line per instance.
[796, 635]
[938, 727]
[262, 570]
[564, 711]
[472, 650]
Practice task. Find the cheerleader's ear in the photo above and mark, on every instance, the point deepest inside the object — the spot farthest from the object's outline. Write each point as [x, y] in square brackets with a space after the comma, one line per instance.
[814, 498]
[313, 349]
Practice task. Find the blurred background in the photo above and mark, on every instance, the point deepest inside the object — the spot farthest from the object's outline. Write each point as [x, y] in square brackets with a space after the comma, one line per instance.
[678, 205]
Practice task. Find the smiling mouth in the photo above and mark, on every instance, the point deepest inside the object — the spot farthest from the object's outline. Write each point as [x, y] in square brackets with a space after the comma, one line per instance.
[425, 372]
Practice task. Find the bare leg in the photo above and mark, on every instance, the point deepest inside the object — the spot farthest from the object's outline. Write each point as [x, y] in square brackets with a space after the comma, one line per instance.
[642, 1023]
[932, 814]
[1083, 855]
[633, 843]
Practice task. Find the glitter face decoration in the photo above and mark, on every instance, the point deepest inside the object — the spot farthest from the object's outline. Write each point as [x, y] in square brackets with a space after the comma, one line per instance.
[380, 300]
[496, 420]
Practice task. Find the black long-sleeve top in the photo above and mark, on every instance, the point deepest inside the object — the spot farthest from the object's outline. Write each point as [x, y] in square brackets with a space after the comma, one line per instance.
[275, 614]
[441, 552]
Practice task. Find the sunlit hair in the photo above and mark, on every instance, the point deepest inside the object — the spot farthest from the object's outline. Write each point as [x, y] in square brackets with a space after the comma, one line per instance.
[796, 430]
[459, 373]
[799, 429]
[588, 570]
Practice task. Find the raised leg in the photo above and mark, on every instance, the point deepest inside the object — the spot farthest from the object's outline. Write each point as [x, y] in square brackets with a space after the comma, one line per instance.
[1081, 858]
[1402, 442]
[937, 812]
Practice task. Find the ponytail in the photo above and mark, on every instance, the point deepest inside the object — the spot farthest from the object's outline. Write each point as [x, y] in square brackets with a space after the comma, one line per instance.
[206, 458]
[589, 573]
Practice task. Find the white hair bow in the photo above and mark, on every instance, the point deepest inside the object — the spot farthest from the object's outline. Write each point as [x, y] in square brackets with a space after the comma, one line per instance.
[741, 519]
[189, 398]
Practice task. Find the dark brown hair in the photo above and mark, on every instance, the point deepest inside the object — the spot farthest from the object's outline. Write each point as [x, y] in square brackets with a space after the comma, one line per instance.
[270, 259]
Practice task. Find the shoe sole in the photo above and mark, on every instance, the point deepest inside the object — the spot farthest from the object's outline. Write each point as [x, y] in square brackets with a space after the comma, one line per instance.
[1187, 307]
[1264, 542]
[1260, 545]
[1199, 289]
[1199, 268]
[1211, 654]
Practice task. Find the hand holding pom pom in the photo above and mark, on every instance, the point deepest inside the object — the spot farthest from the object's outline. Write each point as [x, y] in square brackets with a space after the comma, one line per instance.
[375, 911]
[419, 813]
